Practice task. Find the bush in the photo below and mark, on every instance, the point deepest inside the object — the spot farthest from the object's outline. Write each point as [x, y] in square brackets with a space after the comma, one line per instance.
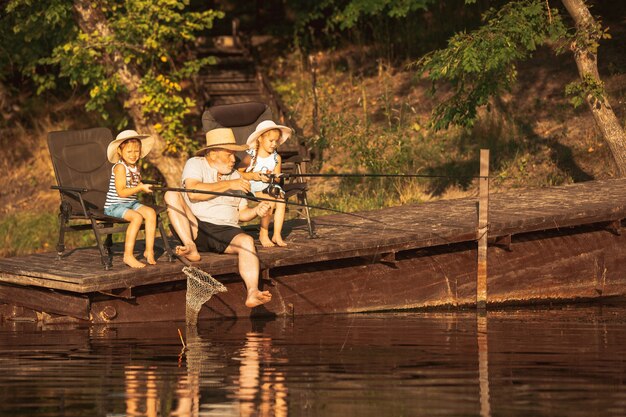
[24, 233]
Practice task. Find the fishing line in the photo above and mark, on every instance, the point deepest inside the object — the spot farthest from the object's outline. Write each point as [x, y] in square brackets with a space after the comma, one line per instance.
[254, 198]
[359, 175]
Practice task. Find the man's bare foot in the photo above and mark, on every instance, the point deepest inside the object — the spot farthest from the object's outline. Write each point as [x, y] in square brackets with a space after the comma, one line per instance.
[256, 298]
[149, 257]
[131, 261]
[279, 241]
[188, 252]
[266, 242]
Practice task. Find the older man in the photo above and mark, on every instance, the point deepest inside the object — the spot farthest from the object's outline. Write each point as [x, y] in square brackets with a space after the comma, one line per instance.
[209, 223]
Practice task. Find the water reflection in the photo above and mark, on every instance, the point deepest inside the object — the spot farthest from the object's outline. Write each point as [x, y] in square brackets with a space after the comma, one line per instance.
[262, 390]
[483, 363]
[136, 379]
[545, 362]
[144, 396]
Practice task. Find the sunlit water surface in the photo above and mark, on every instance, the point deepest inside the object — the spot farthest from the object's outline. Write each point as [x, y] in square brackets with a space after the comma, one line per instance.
[550, 362]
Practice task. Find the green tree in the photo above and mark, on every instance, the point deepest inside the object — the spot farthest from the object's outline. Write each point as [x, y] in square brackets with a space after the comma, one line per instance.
[482, 63]
[134, 52]
[328, 20]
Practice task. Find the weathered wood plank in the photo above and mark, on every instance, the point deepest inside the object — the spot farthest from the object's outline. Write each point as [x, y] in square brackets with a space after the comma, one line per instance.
[47, 300]
[366, 234]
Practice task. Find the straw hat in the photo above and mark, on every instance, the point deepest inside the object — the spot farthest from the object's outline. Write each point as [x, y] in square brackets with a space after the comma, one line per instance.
[222, 138]
[264, 126]
[147, 142]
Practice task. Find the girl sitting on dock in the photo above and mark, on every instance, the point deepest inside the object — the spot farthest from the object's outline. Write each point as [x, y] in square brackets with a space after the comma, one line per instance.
[121, 201]
[263, 158]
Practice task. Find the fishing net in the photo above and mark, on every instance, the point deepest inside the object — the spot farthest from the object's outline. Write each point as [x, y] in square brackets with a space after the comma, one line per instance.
[201, 286]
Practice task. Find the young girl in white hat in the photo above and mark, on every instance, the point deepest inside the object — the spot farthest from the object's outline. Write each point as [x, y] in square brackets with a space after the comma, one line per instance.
[125, 152]
[263, 158]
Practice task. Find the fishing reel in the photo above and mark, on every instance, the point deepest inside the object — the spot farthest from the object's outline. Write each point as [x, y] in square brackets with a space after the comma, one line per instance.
[274, 190]
[275, 186]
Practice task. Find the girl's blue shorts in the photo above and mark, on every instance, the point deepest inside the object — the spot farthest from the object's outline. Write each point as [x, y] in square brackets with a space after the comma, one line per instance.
[118, 210]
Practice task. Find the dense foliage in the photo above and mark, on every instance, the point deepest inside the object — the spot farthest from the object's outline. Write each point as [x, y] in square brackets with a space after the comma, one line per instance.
[396, 28]
[482, 63]
[154, 36]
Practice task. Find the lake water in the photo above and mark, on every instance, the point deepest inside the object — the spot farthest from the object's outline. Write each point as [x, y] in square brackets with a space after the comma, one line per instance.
[566, 361]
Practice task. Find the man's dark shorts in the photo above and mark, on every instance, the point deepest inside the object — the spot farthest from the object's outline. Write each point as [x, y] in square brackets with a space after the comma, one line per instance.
[213, 237]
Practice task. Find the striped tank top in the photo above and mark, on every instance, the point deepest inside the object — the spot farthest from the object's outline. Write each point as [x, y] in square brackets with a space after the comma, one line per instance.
[133, 178]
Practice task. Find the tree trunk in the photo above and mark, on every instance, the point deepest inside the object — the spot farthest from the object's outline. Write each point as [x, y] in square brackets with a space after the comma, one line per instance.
[587, 63]
[91, 20]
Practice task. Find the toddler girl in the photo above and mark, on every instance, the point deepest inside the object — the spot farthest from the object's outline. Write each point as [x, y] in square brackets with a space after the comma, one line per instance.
[125, 152]
[262, 158]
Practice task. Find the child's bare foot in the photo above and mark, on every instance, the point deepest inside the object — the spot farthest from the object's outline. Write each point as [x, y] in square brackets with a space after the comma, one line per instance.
[191, 253]
[131, 261]
[256, 298]
[279, 241]
[264, 238]
[149, 257]
[266, 242]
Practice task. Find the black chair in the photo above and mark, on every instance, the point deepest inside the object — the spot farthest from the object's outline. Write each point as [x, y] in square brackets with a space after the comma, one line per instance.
[243, 118]
[82, 172]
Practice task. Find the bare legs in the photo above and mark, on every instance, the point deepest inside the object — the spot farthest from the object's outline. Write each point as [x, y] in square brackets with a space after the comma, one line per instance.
[135, 218]
[279, 218]
[149, 216]
[243, 246]
[264, 234]
[278, 208]
[185, 224]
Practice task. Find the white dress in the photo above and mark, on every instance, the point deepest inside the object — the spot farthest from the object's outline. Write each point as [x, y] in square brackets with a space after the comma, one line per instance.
[263, 165]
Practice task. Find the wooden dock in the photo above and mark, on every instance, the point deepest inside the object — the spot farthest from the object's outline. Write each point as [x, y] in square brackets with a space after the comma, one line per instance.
[560, 243]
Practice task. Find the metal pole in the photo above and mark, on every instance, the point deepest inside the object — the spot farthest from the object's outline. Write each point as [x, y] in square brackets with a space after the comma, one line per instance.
[483, 211]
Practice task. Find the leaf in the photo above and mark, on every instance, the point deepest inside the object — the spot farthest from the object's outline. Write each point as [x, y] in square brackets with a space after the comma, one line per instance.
[482, 63]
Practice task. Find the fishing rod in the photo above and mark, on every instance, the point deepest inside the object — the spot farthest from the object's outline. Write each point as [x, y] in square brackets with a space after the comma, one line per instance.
[284, 175]
[252, 197]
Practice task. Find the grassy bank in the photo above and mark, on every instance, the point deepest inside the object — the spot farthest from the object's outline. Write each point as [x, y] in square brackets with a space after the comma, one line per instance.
[375, 119]
[24, 233]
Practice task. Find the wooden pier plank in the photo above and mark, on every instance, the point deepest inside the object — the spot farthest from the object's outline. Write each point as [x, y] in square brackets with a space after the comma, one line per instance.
[365, 234]
[48, 300]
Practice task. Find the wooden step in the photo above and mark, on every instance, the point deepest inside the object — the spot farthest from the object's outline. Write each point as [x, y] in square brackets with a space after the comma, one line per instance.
[234, 86]
[209, 79]
[221, 71]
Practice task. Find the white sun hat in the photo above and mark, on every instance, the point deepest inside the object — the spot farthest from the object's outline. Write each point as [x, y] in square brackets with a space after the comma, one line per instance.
[147, 142]
[264, 126]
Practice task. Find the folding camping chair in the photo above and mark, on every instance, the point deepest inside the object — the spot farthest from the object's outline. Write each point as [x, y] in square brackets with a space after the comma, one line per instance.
[243, 118]
[82, 172]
